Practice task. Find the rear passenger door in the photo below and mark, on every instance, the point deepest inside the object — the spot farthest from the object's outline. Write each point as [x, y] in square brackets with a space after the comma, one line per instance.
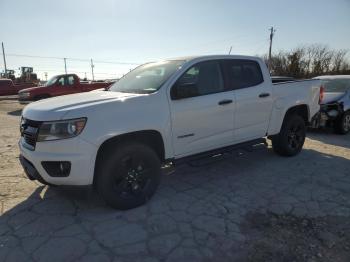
[202, 110]
[253, 98]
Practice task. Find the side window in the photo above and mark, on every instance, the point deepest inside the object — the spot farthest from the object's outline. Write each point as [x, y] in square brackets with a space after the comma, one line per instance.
[61, 81]
[201, 79]
[70, 80]
[243, 73]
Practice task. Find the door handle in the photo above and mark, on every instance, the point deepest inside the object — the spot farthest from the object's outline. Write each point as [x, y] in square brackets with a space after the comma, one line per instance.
[225, 102]
[264, 95]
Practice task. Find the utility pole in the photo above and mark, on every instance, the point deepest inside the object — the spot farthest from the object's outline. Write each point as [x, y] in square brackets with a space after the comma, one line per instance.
[3, 55]
[45, 76]
[92, 70]
[229, 52]
[272, 32]
[65, 65]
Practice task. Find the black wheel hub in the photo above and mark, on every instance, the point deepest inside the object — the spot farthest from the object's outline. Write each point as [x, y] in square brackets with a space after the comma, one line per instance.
[295, 136]
[134, 178]
[346, 123]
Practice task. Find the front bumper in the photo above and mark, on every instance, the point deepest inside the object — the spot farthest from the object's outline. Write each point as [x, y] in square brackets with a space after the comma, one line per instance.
[78, 152]
[30, 170]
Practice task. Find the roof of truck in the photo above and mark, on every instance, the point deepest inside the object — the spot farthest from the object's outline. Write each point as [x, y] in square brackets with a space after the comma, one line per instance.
[333, 77]
[188, 58]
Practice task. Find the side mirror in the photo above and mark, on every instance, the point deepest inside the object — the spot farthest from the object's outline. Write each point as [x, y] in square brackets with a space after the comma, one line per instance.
[184, 90]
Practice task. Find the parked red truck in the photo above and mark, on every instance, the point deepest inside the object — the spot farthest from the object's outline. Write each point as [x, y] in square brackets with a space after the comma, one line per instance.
[7, 87]
[57, 86]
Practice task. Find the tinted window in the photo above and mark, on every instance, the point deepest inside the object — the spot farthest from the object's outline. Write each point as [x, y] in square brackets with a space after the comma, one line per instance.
[243, 73]
[337, 85]
[202, 79]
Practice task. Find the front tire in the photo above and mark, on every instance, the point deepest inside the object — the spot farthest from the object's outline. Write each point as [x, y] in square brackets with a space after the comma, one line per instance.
[291, 138]
[342, 126]
[129, 176]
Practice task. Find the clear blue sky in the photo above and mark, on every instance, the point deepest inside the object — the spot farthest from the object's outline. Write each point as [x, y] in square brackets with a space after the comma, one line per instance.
[139, 31]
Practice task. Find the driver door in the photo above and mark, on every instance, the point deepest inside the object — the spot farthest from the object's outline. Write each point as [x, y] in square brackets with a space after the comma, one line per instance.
[202, 110]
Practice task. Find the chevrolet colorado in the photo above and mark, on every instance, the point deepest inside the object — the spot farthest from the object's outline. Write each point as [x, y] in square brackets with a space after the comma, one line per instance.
[162, 112]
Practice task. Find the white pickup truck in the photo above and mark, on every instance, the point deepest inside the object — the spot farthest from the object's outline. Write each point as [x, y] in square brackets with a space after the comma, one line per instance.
[162, 112]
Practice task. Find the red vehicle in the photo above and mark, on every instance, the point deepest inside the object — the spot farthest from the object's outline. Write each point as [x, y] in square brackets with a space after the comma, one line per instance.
[58, 86]
[7, 87]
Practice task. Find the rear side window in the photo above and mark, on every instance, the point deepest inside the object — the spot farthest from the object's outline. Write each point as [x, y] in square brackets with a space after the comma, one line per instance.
[70, 80]
[243, 73]
[337, 85]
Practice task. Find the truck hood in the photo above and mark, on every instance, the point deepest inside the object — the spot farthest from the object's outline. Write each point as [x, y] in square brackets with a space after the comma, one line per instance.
[57, 107]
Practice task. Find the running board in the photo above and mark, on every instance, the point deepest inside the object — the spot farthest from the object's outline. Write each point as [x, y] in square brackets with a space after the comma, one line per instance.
[219, 151]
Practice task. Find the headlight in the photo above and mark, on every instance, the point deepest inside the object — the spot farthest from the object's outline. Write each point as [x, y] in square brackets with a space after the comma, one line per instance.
[24, 94]
[61, 129]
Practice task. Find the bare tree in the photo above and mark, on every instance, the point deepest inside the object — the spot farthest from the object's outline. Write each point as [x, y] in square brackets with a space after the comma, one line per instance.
[309, 61]
[338, 60]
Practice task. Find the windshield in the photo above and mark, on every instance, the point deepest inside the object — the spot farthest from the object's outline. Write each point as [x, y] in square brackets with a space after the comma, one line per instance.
[147, 78]
[337, 85]
[51, 81]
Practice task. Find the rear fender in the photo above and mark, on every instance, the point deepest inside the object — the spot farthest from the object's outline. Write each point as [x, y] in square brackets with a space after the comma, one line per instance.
[282, 108]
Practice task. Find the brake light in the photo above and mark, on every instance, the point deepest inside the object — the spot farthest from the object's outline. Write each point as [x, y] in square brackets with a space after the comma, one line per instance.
[321, 95]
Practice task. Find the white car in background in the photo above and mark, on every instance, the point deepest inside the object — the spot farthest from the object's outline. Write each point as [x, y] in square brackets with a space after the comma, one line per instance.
[335, 102]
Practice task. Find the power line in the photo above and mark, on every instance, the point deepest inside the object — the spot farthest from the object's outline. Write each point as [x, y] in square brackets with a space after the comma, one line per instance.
[72, 58]
[73, 71]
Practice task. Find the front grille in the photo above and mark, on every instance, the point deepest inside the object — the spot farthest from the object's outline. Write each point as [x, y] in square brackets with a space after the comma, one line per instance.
[29, 132]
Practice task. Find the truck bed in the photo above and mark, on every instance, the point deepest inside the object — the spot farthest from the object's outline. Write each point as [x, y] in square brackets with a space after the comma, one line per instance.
[301, 91]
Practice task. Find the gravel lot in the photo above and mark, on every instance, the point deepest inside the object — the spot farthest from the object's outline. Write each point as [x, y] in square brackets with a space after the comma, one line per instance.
[251, 205]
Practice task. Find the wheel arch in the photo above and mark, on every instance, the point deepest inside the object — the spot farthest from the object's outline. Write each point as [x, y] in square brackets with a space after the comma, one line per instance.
[278, 117]
[152, 138]
[301, 110]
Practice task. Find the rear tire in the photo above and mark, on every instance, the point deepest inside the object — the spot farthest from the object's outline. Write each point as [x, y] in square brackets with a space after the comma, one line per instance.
[342, 125]
[129, 175]
[291, 138]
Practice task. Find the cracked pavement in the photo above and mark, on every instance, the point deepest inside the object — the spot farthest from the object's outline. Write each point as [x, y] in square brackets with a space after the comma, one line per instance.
[196, 215]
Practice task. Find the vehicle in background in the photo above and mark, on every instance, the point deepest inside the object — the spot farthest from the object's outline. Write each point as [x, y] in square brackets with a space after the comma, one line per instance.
[27, 76]
[280, 79]
[57, 86]
[7, 87]
[9, 74]
[335, 103]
